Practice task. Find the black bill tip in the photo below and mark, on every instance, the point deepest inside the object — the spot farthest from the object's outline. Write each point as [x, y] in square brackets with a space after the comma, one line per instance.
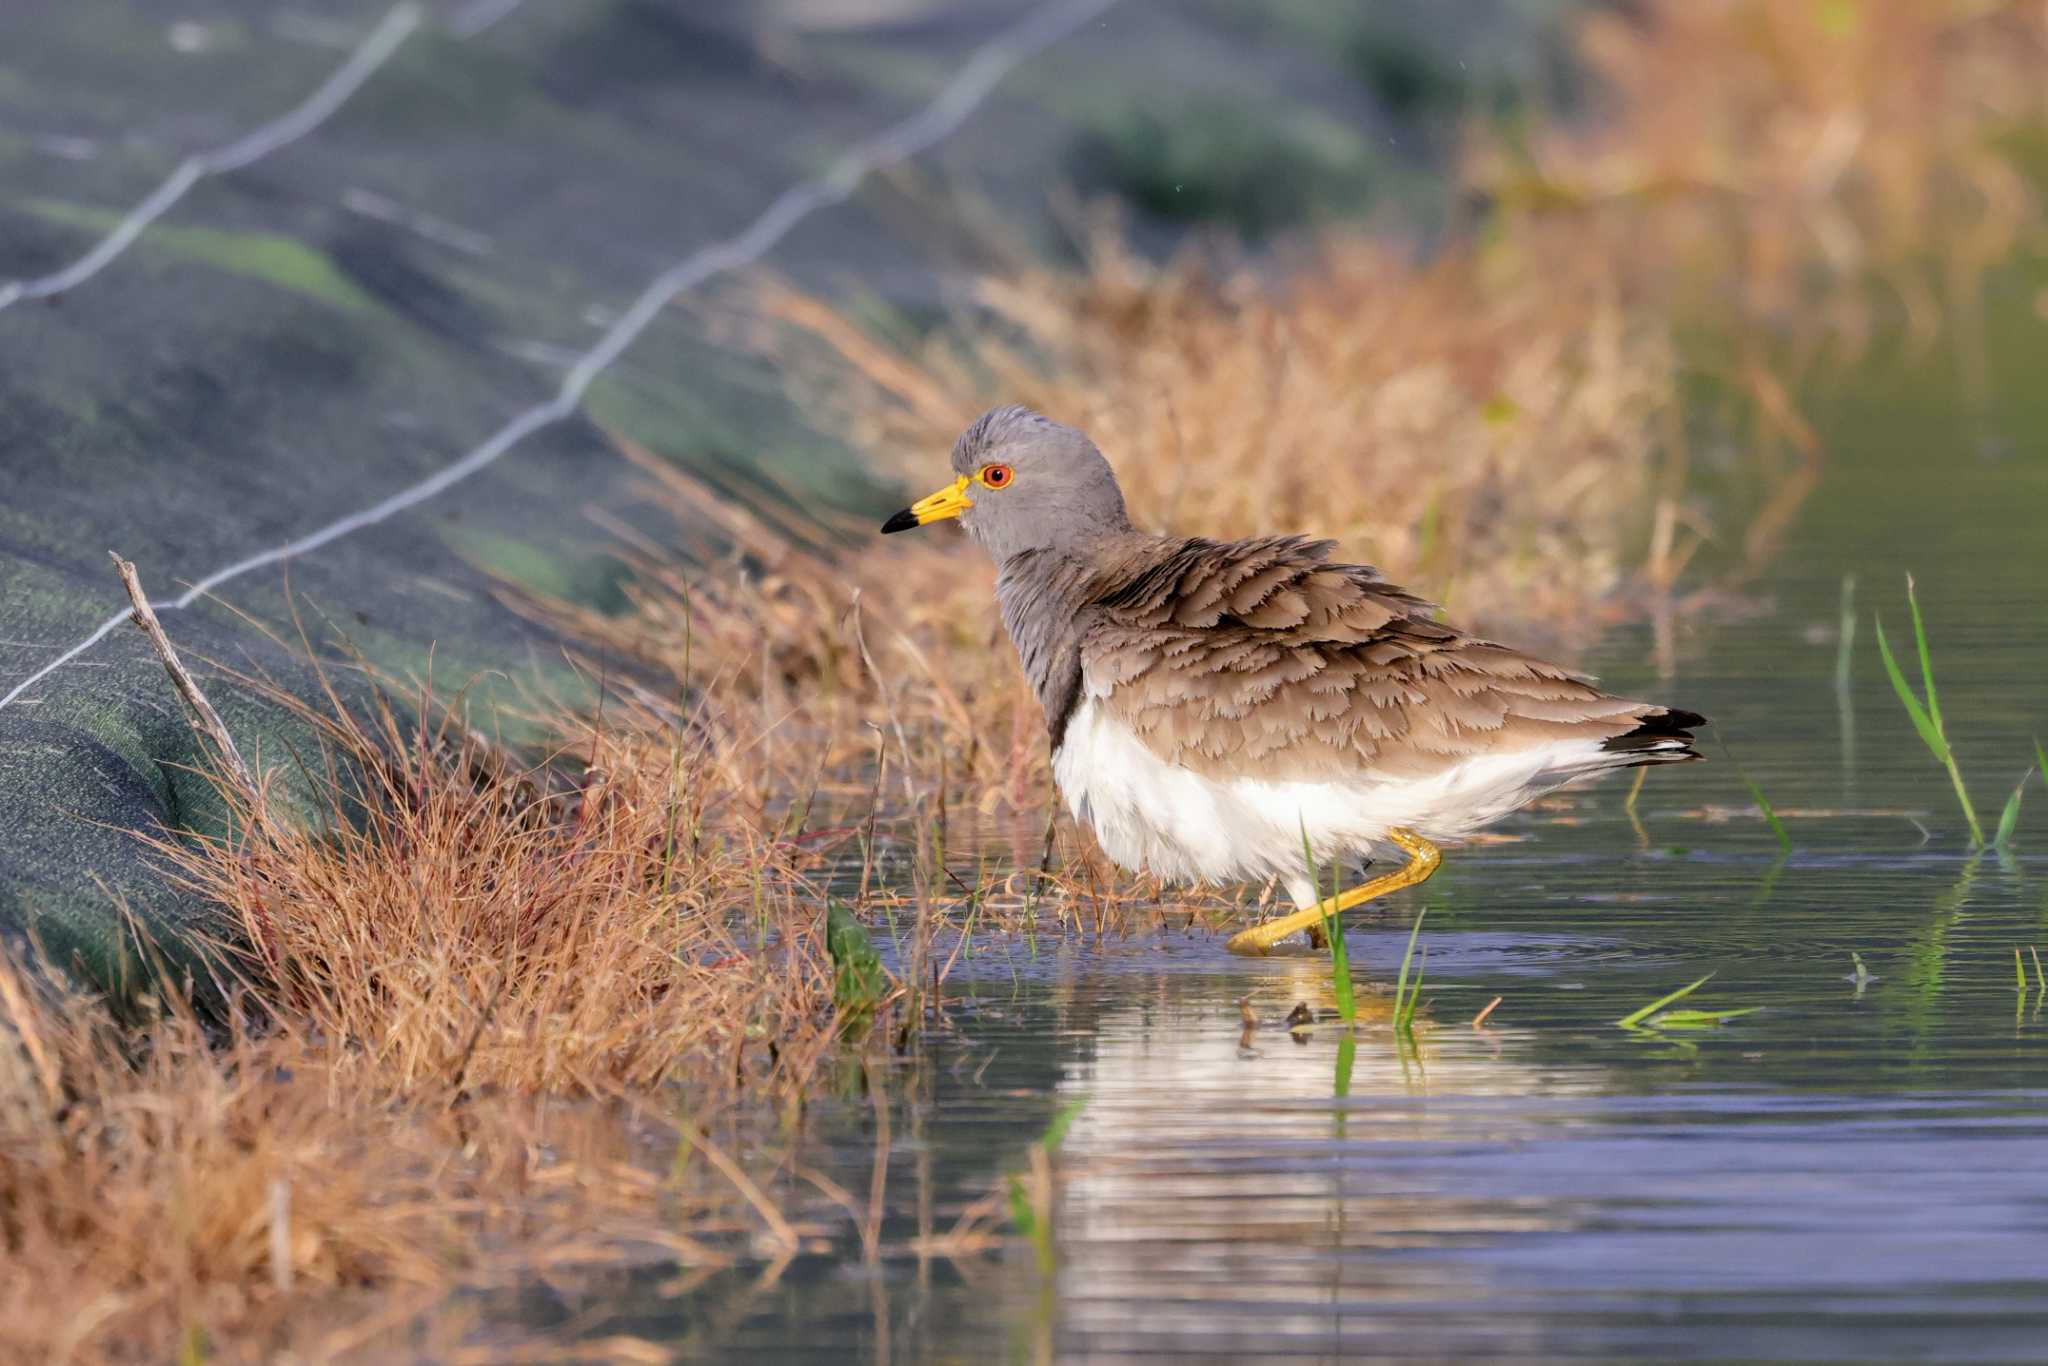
[905, 520]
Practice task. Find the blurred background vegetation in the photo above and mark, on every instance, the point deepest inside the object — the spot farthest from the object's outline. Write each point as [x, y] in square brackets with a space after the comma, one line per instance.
[1602, 323]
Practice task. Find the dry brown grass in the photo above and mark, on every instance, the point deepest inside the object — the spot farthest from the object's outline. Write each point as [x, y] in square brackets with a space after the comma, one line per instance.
[166, 1190]
[138, 1197]
[475, 924]
[465, 1014]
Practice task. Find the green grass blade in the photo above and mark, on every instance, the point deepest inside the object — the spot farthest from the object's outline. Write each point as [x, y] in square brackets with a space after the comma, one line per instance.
[1763, 803]
[1020, 1208]
[1340, 969]
[1700, 1019]
[2019, 971]
[2010, 817]
[1927, 719]
[1404, 1008]
[1056, 1132]
[1406, 1019]
[1921, 721]
[2041, 758]
[1347, 1059]
[1770, 813]
[1926, 664]
[1635, 1018]
[1955, 776]
[1333, 931]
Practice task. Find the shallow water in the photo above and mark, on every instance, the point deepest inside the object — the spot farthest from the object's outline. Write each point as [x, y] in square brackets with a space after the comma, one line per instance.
[1851, 1172]
[1847, 1174]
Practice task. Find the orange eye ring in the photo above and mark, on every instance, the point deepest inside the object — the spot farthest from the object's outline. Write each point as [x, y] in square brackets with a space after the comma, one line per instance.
[995, 476]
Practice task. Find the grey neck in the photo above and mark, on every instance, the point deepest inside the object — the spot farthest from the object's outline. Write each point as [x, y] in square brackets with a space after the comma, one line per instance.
[1044, 595]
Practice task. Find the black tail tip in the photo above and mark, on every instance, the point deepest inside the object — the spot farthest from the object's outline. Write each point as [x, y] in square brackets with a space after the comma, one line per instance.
[1663, 736]
[1676, 720]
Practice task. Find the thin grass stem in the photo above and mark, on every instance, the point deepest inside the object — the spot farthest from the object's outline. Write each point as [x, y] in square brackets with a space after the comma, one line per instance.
[1636, 1017]
[1405, 999]
[1763, 803]
[1333, 930]
[1926, 715]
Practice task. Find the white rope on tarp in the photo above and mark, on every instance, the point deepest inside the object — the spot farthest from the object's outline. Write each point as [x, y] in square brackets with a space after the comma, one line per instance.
[952, 107]
[478, 15]
[251, 147]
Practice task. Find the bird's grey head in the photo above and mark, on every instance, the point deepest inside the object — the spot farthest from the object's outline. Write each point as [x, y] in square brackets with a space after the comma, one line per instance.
[1025, 483]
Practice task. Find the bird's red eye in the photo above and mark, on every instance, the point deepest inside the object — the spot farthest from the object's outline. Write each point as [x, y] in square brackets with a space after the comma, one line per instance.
[995, 476]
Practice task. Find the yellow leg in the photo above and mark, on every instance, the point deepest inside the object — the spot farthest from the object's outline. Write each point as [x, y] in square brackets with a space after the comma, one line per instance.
[1423, 858]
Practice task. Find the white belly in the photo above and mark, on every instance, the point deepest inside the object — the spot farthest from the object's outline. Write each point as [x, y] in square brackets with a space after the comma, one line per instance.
[1160, 818]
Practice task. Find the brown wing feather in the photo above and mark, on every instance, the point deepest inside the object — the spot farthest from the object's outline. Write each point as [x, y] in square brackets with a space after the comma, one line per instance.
[1263, 653]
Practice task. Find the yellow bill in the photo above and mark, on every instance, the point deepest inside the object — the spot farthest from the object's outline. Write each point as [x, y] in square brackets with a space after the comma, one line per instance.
[950, 501]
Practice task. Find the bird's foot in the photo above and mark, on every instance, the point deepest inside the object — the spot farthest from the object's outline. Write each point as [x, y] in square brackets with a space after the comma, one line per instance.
[1423, 859]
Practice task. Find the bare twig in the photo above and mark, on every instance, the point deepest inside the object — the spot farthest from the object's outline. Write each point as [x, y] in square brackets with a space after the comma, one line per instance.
[779, 1228]
[888, 697]
[833, 1191]
[206, 721]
